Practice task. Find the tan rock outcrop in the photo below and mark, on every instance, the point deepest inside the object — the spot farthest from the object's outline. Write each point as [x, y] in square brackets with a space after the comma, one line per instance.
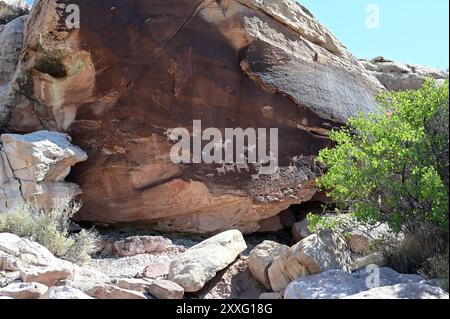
[300, 230]
[20, 290]
[109, 291]
[33, 168]
[26, 252]
[261, 258]
[314, 254]
[199, 264]
[396, 76]
[232, 63]
[48, 276]
[136, 245]
[165, 289]
[415, 291]
[64, 293]
[337, 284]
[11, 41]
[134, 284]
[156, 270]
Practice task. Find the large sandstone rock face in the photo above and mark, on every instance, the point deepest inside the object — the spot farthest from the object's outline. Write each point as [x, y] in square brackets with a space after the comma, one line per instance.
[135, 69]
[11, 40]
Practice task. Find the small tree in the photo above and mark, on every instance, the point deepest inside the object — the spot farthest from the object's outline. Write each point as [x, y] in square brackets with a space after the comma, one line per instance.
[392, 166]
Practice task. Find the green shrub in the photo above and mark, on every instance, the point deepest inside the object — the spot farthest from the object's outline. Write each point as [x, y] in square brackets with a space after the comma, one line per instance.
[423, 250]
[392, 166]
[51, 229]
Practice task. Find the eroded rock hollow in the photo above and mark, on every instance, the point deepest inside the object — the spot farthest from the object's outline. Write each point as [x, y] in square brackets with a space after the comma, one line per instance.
[134, 69]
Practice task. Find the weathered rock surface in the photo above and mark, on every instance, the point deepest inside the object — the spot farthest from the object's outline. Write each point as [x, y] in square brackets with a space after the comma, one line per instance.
[11, 39]
[261, 258]
[165, 289]
[33, 168]
[361, 238]
[335, 284]
[140, 285]
[156, 270]
[233, 63]
[402, 291]
[64, 293]
[87, 279]
[23, 290]
[396, 76]
[314, 254]
[234, 282]
[26, 252]
[109, 291]
[136, 245]
[8, 277]
[300, 230]
[47, 275]
[199, 264]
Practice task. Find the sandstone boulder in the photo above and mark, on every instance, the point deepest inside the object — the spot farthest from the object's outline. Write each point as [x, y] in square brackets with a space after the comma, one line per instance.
[361, 238]
[156, 270]
[109, 291]
[314, 254]
[261, 258]
[87, 278]
[233, 63]
[48, 276]
[11, 39]
[64, 293]
[140, 285]
[300, 230]
[335, 284]
[8, 277]
[33, 168]
[136, 245]
[29, 253]
[402, 291]
[332, 284]
[41, 156]
[9, 263]
[397, 76]
[199, 264]
[287, 218]
[23, 290]
[165, 289]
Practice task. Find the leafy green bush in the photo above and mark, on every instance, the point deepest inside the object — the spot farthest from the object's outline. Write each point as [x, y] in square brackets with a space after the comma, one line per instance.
[392, 166]
[51, 229]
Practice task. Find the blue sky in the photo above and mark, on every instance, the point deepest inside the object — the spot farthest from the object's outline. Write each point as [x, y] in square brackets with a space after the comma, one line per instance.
[413, 31]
